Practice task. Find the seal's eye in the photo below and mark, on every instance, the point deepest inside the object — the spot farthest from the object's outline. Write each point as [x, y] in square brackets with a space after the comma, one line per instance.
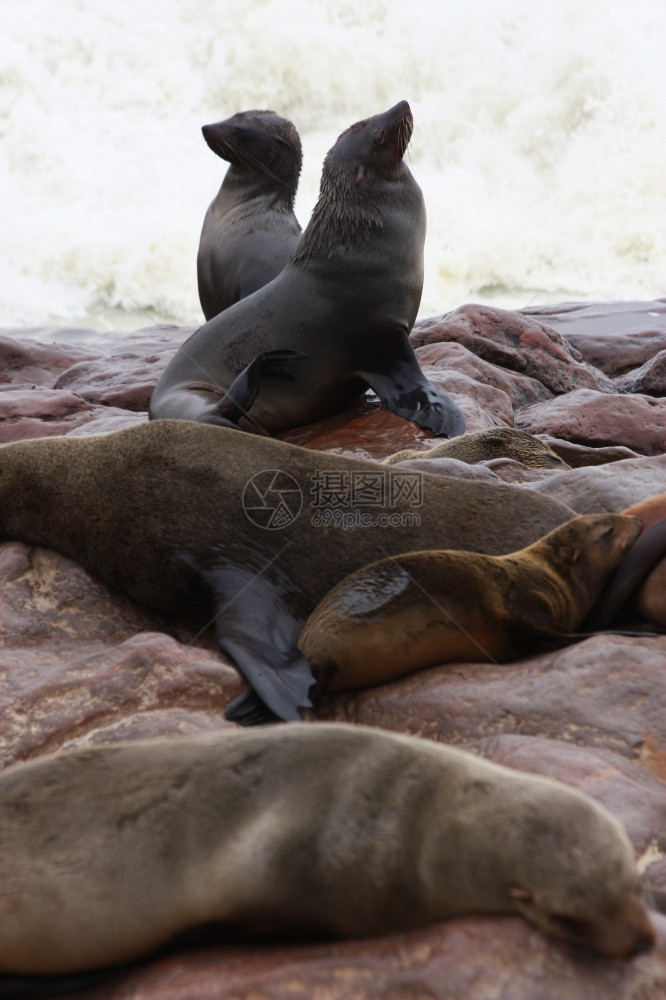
[378, 138]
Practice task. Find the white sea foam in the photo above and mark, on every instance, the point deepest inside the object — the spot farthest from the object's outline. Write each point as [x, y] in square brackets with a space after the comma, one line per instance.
[540, 139]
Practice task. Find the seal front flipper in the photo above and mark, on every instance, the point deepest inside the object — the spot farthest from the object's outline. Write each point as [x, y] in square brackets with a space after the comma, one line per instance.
[255, 628]
[243, 390]
[403, 388]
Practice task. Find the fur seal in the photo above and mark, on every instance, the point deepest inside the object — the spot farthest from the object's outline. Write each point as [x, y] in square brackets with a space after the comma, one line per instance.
[638, 576]
[650, 600]
[420, 609]
[250, 230]
[109, 852]
[493, 442]
[347, 298]
[188, 518]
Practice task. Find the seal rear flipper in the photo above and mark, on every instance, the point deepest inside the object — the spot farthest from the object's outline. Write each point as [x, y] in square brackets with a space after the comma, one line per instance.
[243, 390]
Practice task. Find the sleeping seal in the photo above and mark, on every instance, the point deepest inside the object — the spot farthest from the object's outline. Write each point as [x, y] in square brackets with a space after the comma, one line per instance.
[246, 530]
[109, 852]
[420, 609]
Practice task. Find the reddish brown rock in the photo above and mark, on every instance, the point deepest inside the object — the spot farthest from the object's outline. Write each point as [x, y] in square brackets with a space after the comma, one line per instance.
[613, 336]
[437, 359]
[577, 455]
[127, 375]
[511, 341]
[607, 488]
[35, 365]
[32, 413]
[365, 430]
[476, 958]
[608, 691]
[623, 786]
[369, 430]
[594, 418]
[79, 663]
[483, 405]
[124, 381]
[649, 379]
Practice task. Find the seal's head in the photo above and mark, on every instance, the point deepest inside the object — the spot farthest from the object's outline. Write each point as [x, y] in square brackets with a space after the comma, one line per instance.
[591, 894]
[375, 145]
[366, 186]
[258, 142]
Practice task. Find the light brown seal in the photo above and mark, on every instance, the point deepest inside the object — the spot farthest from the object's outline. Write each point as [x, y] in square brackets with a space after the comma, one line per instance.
[250, 230]
[109, 852]
[347, 298]
[244, 530]
[492, 442]
[420, 609]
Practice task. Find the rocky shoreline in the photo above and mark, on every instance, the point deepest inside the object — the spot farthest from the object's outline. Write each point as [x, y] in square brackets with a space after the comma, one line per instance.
[81, 665]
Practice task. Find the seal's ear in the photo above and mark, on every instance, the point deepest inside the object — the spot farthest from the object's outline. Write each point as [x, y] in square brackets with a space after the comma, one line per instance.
[517, 893]
[360, 171]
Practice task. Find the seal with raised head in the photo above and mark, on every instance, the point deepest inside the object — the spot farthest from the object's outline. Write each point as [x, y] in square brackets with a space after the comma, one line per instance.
[420, 609]
[250, 230]
[347, 298]
[109, 852]
[492, 442]
[253, 532]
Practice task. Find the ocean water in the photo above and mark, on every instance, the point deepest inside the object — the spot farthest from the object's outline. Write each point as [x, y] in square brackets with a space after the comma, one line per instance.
[539, 141]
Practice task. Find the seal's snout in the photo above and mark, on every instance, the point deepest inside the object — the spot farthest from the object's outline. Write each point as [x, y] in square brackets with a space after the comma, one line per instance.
[399, 124]
[216, 138]
[399, 116]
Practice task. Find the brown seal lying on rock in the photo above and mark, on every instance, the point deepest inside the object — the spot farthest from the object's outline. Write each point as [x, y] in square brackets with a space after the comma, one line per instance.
[109, 852]
[492, 442]
[250, 230]
[244, 530]
[347, 298]
[419, 609]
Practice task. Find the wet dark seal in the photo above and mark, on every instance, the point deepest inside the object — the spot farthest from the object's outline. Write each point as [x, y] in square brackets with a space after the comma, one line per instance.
[250, 230]
[347, 298]
[167, 513]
